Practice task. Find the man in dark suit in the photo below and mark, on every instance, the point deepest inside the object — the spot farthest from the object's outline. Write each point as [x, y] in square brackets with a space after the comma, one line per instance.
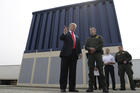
[69, 56]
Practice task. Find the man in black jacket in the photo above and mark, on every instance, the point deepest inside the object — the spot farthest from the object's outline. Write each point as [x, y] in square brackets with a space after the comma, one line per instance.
[69, 55]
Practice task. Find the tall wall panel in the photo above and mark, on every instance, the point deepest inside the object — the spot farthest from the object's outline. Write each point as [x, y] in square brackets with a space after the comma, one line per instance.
[48, 25]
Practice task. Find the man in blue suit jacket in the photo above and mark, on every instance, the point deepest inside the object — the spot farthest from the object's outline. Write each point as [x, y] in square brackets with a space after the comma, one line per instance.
[69, 55]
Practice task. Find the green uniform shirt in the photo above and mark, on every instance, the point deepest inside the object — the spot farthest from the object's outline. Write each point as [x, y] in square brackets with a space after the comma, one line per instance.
[122, 56]
[96, 42]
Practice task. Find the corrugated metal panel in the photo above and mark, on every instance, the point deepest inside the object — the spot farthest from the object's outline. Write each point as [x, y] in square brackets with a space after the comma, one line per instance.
[47, 25]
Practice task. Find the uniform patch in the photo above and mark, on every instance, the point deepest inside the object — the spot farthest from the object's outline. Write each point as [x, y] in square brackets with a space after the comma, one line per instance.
[97, 36]
[123, 52]
[118, 54]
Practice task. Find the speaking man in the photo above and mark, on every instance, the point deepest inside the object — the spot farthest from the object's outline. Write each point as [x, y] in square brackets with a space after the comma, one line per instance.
[69, 55]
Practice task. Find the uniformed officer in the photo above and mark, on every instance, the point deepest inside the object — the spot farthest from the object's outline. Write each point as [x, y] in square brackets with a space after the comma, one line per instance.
[123, 58]
[94, 45]
[109, 60]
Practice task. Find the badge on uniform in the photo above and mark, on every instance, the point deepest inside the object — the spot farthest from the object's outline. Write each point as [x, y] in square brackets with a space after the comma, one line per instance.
[97, 36]
[118, 54]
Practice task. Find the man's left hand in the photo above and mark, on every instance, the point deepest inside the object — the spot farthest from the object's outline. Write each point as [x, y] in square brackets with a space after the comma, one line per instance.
[124, 62]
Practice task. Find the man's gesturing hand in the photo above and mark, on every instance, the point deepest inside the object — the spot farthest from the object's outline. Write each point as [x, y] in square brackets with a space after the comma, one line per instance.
[65, 29]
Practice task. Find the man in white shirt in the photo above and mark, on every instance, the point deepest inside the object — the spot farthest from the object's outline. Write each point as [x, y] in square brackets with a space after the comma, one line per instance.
[109, 60]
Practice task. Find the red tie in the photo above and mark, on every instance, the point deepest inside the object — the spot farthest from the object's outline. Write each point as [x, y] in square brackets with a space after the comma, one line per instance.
[73, 40]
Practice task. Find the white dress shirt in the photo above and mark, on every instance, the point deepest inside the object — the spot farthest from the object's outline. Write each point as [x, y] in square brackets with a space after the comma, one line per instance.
[108, 58]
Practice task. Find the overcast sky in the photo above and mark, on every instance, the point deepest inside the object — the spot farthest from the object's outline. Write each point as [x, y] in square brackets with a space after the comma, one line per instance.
[16, 15]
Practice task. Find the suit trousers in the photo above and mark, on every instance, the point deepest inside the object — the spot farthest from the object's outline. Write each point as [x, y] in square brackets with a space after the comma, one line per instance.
[109, 69]
[68, 66]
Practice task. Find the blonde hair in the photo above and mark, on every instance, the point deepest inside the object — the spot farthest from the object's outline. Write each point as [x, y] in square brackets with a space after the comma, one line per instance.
[73, 24]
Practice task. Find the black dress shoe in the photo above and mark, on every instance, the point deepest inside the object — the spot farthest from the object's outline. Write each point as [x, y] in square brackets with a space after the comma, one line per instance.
[89, 90]
[114, 89]
[63, 90]
[122, 89]
[73, 91]
[133, 89]
[105, 91]
[95, 88]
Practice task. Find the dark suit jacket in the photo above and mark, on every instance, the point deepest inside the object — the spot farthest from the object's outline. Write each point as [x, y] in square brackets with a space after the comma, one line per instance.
[68, 44]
